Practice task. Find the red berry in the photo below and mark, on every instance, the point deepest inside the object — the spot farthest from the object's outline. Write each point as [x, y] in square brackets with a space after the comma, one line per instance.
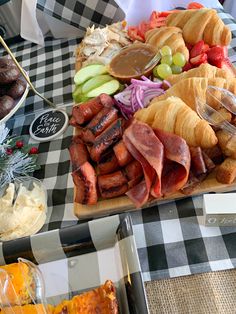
[33, 150]
[9, 151]
[202, 58]
[197, 49]
[216, 54]
[19, 144]
[188, 66]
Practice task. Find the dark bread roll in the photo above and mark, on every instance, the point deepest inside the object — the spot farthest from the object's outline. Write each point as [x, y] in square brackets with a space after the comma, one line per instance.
[8, 71]
[16, 89]
[6, 105]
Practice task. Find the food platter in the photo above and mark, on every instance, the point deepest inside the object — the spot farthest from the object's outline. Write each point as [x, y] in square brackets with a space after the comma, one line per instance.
[81, 258]
[170, 110]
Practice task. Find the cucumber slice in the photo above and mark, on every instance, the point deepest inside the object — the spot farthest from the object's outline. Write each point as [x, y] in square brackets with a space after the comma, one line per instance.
[109, 88]
[89, 71]
[95, 82]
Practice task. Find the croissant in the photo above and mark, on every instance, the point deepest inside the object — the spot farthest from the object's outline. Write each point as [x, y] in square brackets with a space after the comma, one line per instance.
[28, 309]
[201, 24]
[204, 70]
[173, 115]
[170, 36]
[191, 89]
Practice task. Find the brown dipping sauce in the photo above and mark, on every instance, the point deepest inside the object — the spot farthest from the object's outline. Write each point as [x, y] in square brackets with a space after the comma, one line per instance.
[131, 61]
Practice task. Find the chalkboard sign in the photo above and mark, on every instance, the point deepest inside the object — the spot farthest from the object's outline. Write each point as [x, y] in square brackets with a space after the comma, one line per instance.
[49, 125]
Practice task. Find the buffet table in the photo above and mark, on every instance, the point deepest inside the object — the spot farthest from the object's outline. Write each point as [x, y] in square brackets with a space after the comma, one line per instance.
[171, 238]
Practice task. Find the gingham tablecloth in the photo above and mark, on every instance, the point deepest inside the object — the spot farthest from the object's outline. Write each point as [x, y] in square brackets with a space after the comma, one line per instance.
[170, 238]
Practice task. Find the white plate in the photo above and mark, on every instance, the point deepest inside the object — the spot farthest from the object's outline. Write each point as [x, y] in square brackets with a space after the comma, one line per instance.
[17, 106]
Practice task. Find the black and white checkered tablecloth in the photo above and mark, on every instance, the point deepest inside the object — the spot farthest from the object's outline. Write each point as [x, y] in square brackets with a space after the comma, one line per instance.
[170, 238]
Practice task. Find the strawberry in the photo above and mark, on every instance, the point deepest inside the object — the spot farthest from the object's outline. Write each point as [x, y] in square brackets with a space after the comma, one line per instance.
[205, 48]
[188, 66]
[197, 49]
[202, 58]
[225, 51]
[215, 55]
[226, 65]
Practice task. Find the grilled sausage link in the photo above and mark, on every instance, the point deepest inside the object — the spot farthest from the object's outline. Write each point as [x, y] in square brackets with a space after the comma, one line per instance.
[99, 123]
[113, 184]
[106, 139]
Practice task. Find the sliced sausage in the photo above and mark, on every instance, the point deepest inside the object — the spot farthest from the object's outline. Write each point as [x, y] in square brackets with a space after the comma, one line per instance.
[108, 163]
[105, 140]
[85, 181]
[86, 111]
[99, 123]
[112, 185]
[122, 154]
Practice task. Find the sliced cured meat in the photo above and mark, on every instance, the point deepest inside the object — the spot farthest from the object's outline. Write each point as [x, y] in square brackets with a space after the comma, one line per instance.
[105, 140]
[78, 153]
[85, 181]
[208, 162]
[139, 194]
[86, 111]
[113, 184]
[143, 138]
[177, 161]
[99, 123]
[108, 163]
[122, 154]
[197, 161]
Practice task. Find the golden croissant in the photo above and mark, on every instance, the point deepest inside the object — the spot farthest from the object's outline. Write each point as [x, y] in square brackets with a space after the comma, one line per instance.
[173, 115]
[167, 36]
[201, 24]
[204, 70]
[191, 89]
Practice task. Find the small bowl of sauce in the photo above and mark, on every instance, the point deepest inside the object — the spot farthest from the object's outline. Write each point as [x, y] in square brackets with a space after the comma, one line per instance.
[131, 62]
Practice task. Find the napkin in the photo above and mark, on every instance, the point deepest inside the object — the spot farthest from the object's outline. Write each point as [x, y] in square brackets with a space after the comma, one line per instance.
[34, 24]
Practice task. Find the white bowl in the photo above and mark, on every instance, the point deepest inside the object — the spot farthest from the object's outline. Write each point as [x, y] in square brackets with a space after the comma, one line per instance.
[19, 102]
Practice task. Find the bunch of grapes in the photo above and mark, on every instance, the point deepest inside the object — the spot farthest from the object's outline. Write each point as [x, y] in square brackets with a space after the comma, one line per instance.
[169, 64]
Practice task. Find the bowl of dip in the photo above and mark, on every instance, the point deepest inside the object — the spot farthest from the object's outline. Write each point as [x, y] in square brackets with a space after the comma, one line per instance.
[131, 61]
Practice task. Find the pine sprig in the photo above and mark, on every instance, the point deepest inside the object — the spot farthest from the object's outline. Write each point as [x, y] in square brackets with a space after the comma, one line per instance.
[14, 162]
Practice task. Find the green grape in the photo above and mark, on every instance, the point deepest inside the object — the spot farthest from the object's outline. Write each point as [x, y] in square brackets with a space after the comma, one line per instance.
[166, 51]
[164, 70]
[176, 69]
[167, 59]
[154, 71]
[179, 59]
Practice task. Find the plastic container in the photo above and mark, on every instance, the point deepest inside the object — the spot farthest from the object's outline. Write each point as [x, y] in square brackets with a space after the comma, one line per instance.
[22, 289]
[23, 208]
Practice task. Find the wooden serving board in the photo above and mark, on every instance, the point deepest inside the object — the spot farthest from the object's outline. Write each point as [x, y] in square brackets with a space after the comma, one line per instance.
[122, 204]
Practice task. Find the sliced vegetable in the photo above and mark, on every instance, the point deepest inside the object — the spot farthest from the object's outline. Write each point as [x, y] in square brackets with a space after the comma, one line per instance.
[78, 96]
[109, 88]
[89, 71]
[95, 82]
[137, 95]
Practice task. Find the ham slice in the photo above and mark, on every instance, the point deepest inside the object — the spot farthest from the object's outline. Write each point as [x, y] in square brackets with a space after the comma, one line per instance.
[145, 147]
[177, 162]
[139, 194]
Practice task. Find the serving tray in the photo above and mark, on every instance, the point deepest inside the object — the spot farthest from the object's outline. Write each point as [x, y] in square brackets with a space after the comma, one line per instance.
[123, 203]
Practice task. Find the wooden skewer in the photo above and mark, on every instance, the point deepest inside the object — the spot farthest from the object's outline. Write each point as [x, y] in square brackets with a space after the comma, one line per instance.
[24, 74]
